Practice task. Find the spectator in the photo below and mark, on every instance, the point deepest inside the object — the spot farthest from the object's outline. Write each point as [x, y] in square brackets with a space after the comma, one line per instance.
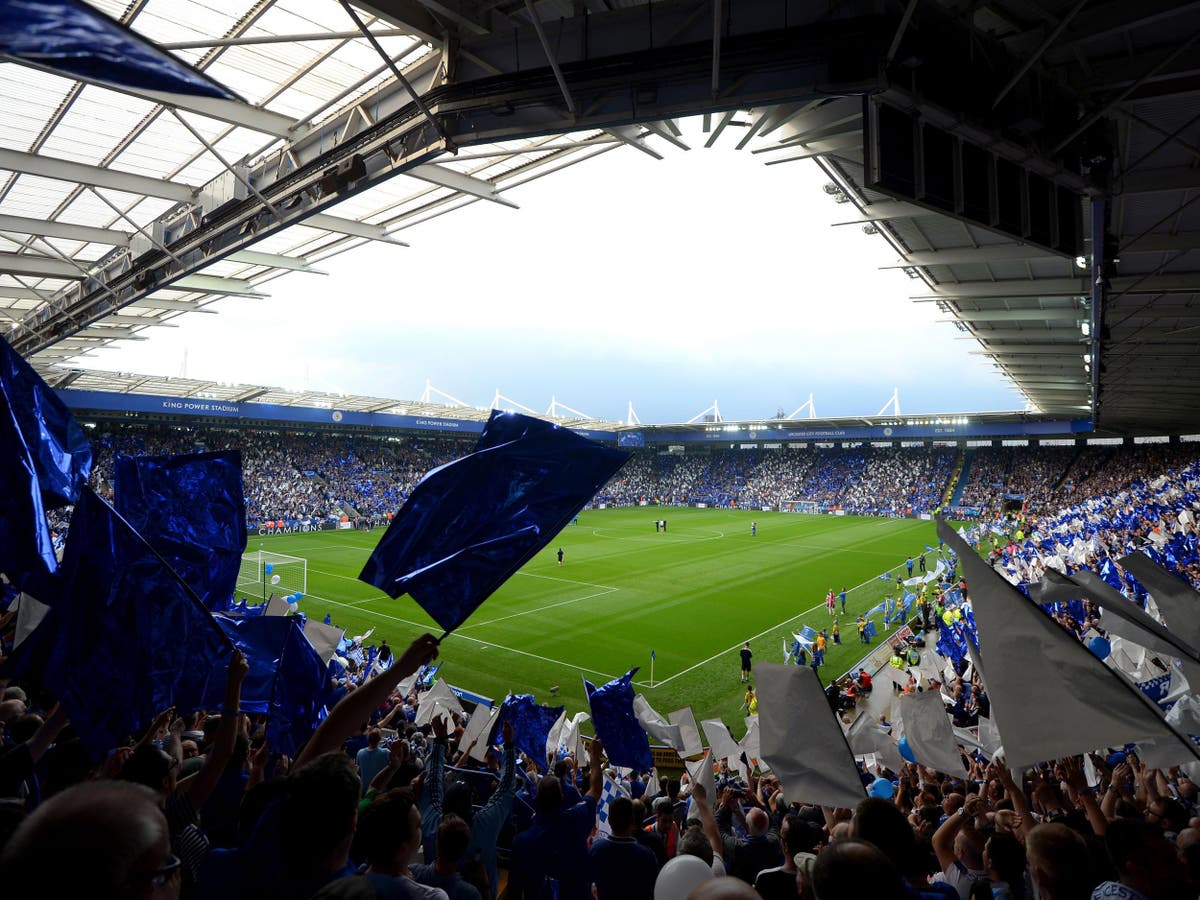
[620, 867]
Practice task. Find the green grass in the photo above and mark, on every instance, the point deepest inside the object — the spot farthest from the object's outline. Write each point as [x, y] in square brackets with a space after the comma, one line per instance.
[693, 595]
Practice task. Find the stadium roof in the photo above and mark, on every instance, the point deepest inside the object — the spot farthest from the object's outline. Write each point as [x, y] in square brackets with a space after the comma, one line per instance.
[195, 388]
[990, 132]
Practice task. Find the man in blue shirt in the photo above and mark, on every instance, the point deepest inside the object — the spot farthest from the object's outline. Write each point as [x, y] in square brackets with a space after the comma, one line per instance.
[554, 847]
[622, 869]
[371, 759]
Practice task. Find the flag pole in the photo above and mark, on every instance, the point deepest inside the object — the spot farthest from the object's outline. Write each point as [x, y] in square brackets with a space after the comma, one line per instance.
[651, 668]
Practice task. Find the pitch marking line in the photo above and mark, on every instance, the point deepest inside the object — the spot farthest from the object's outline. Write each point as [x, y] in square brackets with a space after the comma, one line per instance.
[715, 656]
[530, 612]
[465, 637]
[604, 589]
[687, 539]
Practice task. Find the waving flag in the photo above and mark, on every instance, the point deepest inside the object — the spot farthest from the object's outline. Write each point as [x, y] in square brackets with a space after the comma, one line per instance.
[655, 725]
[45, 460]
[611, 791]
[191, 510]
[286, 678]
[617, 724]
[470, 524]
[1061, 700]
[531, 724]
[820, 769]
[74, 40]
[125, 639]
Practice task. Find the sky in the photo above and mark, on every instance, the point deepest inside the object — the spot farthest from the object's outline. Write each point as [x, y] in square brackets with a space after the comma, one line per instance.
[672, 284]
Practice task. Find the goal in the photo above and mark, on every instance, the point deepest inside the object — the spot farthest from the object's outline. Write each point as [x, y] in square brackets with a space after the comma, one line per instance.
[800, 506]
[263, 573]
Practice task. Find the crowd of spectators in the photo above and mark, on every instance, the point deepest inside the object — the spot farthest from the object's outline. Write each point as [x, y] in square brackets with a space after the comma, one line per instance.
[303, 478]
[377, 805]
[291, 477]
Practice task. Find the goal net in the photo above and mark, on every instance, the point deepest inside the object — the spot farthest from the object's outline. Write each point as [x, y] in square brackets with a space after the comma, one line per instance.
[800, 506]
[263, 573]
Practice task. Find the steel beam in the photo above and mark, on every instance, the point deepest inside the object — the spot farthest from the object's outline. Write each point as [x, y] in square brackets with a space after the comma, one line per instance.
[274, 260]
[1146, 181]
[1018, 315]
[987, 253]
[350, 228]
[1173, 283]
[464, 184]
[884, 210]
[37, 266]
[165, 304]
[235, 112]
[1064, 336]
[44, 228]
[305, 38]
[81, 173]
[214, 284]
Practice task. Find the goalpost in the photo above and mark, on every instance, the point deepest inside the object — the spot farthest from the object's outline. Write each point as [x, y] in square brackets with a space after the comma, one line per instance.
[811, 507]
[263, 573]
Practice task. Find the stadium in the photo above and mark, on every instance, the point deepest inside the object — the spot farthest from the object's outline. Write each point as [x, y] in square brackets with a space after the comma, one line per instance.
[886, 655]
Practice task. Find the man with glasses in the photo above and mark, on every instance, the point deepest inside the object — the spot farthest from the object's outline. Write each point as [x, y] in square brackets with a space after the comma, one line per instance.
[118, 841]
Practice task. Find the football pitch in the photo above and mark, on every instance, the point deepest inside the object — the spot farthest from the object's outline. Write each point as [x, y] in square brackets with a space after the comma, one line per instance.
[692, 595]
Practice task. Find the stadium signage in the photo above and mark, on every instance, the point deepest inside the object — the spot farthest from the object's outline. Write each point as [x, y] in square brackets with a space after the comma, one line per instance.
[879, 432]
[299, 529]
[108, 401]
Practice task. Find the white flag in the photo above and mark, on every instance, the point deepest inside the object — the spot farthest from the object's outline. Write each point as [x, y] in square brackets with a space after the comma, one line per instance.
[802, 740]
[689, 733]
[571, 738]
[1051, 695]
[324, 638]
[929, 733]
[722, 742]
[276, 606]
[30, 613]
[554, 736]
[439, 693]
[475, 735]
[655, 725]
[1102, 593]
[700, 772]
[750, 742]
[1178, 603]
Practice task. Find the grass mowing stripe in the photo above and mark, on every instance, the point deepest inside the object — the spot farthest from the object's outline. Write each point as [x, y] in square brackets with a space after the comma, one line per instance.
[688, 595]
[730, 650]
[459, 634]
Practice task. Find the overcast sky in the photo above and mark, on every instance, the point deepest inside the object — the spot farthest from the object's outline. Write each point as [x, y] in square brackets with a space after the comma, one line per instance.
[705, 276]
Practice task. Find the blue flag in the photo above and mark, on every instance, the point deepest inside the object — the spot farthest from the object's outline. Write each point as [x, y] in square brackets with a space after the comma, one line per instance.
[190, 508]
[72, 39]
[625, 740]
[652, 655]
[286, 678]
[45, 460]
[472, 523]
[125, 638]
[808, 633]
[531, 724]
[885, 577]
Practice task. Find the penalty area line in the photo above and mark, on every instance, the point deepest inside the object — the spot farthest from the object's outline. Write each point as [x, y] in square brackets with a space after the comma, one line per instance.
[774, 627]
[466, 637]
